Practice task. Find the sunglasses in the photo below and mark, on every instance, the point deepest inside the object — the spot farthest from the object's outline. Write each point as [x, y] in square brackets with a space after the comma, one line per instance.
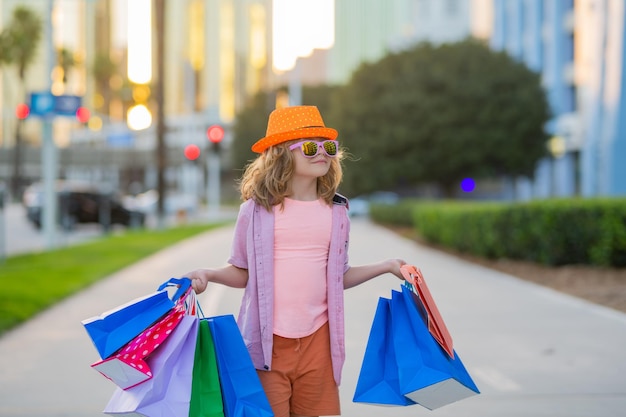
[311, 148]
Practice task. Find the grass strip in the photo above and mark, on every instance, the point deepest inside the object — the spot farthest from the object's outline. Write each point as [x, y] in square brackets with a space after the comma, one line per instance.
[34, 282]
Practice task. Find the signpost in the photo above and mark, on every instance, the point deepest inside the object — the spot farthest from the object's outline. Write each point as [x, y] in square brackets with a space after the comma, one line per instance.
[46, 105]
[215, 134]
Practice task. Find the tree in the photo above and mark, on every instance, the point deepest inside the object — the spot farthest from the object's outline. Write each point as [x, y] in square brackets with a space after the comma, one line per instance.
[18, 46]
[438, 114]
[103, 69]
[66, 60]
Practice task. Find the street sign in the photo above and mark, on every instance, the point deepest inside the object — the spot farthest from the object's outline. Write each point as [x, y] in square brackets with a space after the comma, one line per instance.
[44, 103]
[66, 105]
[41, 103]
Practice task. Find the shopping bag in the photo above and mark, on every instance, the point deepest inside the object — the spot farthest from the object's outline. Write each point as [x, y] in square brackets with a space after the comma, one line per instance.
[242, 391]
[206, 395]
[129, 367]
[426, 373]
[115, 328]
[425, 303]
[168, 392]
[378, 381]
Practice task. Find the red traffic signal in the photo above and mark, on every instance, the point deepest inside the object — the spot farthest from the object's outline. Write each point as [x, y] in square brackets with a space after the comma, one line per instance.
[192, 152]
[215, 133]
[22, 111]
[83, 114]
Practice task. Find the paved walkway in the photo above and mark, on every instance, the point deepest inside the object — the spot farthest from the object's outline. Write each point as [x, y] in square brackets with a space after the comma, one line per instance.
[531, 351]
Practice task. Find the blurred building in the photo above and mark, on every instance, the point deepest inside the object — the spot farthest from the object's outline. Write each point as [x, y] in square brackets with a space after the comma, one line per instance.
[578, 48]
[217, 55]
[366, 30]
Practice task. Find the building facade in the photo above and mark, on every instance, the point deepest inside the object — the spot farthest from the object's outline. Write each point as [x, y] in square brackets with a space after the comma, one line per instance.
[217, 55]
[366, 30]
[578, 48]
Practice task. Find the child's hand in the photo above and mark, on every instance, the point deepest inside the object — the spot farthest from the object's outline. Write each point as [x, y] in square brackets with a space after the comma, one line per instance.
[394, 267]
[199, 280]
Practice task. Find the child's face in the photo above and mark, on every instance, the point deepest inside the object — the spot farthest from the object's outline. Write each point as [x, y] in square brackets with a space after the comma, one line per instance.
[314, 167]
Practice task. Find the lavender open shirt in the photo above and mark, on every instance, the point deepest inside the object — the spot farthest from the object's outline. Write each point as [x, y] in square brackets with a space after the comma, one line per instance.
[253, 249]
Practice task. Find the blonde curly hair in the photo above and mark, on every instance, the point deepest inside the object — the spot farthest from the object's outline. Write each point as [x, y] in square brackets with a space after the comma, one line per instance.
[266, 179]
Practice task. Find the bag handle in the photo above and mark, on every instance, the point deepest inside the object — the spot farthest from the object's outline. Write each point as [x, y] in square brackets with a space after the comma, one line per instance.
[412, 275]
[183, 285]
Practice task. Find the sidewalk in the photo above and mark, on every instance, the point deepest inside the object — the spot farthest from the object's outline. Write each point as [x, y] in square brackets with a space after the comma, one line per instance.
[531, 351]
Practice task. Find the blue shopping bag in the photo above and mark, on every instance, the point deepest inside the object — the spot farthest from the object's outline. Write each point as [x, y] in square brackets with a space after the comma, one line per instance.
[427, 374]
[113, 329]
[242, 392]
[378, 381]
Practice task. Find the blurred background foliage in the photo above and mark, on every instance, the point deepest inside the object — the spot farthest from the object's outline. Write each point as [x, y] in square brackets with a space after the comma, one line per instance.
[427, 115]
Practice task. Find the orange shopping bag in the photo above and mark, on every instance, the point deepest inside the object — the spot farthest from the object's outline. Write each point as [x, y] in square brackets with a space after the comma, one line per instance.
[426, 304]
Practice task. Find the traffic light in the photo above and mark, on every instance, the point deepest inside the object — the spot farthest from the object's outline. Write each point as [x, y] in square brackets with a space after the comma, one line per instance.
[22, 111]
[83, 114]
[192, 152]
[215, 134]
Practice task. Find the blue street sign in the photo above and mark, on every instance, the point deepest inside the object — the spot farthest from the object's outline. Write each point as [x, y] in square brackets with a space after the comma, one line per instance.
[44, 103]
[41, 103]
[66, 105]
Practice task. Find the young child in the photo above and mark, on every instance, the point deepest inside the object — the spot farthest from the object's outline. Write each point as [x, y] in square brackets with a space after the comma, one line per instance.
[290, 253]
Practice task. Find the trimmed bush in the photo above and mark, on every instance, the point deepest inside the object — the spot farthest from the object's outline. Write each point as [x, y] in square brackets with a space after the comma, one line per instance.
[551, 232]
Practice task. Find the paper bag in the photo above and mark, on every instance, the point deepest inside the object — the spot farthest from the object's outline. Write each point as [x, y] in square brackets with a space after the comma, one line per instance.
[427, 306]
[378, 381]
[168, 392]
[115, 328]
[427, 375]
[129, 367]
[242, 392]
[206, 394]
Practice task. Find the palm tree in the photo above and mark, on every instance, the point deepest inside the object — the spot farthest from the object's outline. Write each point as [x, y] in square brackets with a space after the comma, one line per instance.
[66, 61]
[103, 70]
[18, 47]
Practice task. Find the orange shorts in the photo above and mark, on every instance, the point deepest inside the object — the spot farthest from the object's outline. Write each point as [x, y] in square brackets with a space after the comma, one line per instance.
[301, 380]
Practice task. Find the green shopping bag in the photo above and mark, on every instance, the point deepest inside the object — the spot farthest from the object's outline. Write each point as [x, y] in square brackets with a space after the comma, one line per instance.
[206, 394]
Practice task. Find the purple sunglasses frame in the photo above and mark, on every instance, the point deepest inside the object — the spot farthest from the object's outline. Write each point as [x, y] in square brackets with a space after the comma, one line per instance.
[319, 144]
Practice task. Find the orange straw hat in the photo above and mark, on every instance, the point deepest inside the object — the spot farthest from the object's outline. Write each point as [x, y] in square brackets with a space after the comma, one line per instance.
[296, 122]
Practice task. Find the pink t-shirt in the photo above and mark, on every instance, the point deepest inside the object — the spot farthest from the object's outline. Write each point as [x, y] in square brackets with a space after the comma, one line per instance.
[302, 232]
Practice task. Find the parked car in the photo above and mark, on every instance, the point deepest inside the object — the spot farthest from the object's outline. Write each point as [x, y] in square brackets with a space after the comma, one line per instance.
[81, 203]
[360, 205]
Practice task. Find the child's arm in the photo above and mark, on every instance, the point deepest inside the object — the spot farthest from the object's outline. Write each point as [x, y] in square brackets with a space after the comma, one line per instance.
[357, 275]
[229, 275]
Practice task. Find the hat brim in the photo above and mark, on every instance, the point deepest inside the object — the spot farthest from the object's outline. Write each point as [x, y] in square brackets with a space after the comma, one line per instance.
[304, 133]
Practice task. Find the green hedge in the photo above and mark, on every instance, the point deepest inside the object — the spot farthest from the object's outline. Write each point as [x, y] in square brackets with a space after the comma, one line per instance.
[400, 214]
[552, 232]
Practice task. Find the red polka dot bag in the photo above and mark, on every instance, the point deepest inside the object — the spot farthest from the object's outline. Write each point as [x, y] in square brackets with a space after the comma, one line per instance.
[128, 366]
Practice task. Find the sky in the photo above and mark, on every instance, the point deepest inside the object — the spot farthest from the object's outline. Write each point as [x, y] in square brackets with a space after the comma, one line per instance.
[299, 27]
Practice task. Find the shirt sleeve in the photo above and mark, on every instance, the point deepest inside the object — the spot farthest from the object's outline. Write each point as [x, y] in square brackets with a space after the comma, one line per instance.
[239, 251]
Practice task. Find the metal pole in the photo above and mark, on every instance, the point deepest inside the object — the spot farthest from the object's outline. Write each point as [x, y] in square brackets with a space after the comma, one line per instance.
[295, 85]
[48, 154]
[49, 167]
[213, 183]
[159, 6]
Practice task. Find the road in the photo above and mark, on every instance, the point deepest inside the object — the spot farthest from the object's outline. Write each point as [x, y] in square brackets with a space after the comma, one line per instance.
[20, 236]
